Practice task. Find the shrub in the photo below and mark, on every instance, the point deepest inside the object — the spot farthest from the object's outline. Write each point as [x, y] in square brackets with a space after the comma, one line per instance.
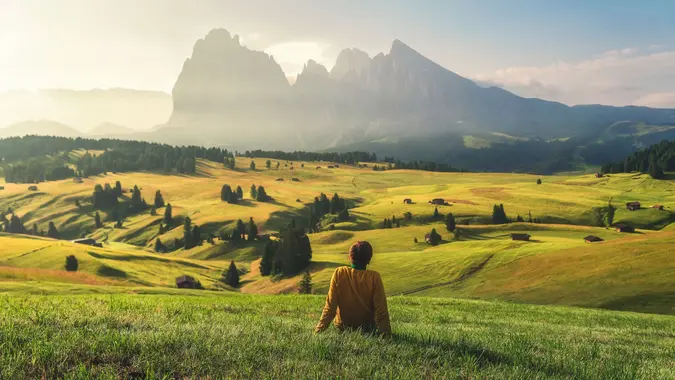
[71, 263]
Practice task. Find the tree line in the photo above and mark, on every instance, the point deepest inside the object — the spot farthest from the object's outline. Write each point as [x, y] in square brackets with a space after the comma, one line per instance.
[349, 158]
[24, 160]
[654, 160]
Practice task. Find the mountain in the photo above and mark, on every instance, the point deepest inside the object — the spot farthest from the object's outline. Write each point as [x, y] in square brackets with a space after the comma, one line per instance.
[110, 129]
[40, 128]
[227, 94]
[84, 110]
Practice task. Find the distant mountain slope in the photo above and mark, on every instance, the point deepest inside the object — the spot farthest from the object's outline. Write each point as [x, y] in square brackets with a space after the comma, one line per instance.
[40, 128]
[86, 109]
[228, 94]
[110, 129]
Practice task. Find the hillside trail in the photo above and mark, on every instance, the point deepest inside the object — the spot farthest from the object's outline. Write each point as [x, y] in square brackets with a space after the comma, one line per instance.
[469, 273]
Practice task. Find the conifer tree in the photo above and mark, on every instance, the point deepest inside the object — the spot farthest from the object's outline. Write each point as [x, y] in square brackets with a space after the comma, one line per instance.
[231, 276]
[450, 222]
[97, 220]
[252, 230]
[655, 170]
[187, 233]
[137, 202]
[159, 199]
[241, 228]
[153, 210]
[262, 195]
[159, 247]
[240, 193]
[538, 181]
[268, 164]
[52, 232]
[196, 236]
[252, 166]
[436, 214]
[434, 237]
[305, 285]
[15, 225]
[254, 192]
[118, 189]
[168, 215]
[344, 214]
[267, 262]
[35, 230]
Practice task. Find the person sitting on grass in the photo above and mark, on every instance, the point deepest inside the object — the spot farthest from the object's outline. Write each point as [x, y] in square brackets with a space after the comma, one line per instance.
[356, 298]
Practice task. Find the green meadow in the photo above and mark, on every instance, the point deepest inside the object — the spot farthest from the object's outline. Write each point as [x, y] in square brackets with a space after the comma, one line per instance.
[477, 305]
[255, 336]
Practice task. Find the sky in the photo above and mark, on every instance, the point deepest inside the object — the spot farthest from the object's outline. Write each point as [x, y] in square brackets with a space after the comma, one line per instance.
[576, 52]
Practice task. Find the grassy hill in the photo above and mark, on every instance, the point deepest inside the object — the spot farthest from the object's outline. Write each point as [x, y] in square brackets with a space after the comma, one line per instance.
[243, 336]
[626, 272]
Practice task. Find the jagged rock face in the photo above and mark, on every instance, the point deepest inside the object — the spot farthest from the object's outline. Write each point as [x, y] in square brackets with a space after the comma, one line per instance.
[222, 74]
[227, 93]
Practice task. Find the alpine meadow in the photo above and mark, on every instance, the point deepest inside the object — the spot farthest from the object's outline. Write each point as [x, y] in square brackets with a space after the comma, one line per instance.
[203, 233]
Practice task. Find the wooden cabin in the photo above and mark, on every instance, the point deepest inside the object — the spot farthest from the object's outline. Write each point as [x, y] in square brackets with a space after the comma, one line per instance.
[77, 180]
[279, 179]
[318, 167]
[592, 239]
[658, 207]
[187, 282]
[598, 175]
[33, 188]
[88, 241]
[331, 167]
[632, 206]
[295, 179]
[624, 228]
[520, 237]
[427, 238]
[407, 201]
[437, 201]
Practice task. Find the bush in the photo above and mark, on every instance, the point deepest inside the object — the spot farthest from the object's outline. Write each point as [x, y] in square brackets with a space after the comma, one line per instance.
[71, 263]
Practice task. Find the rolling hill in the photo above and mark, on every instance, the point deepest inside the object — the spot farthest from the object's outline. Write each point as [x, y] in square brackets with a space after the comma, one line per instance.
[626, 272]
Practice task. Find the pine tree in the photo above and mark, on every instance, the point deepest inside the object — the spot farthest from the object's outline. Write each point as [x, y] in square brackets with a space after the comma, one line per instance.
[538, 181]
[268, 164]
[196, 236]
[71, 263]
[240, 193]
[241, 228]
[137, 202]
[655, 170]
[499, 215]
[231, 276]
[35, 230]
[187, 233]
[305, 285]
[450, 224]
[159, 247]
[252, 166]
[97, 220]
[236, 236]
[52, 232]
[119, 223]
[343, 215]
[227, 195]
[168, 216]
[153, 211]
[262, 195]
[434, 237]
[118, 189]
[15, 225]
[252, 230]
[529, 216]
[436, 214]
[278, 165]
[267, 262]
[254, 192]
[159, 199]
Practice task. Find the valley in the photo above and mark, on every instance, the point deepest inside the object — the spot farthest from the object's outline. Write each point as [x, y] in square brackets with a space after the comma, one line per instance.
[623, 272]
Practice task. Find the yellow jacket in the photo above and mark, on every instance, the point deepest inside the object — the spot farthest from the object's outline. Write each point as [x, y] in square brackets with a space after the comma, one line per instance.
[355, 299]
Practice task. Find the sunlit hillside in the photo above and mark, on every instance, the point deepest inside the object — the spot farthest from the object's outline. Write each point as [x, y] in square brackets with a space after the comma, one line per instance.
[626, 271]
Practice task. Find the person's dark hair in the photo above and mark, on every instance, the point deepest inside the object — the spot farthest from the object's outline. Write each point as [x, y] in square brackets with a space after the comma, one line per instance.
[360, 253]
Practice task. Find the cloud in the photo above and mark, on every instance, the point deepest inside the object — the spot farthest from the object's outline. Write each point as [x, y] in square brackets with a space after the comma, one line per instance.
[617, 77]
[292, 56]
[657, 100]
